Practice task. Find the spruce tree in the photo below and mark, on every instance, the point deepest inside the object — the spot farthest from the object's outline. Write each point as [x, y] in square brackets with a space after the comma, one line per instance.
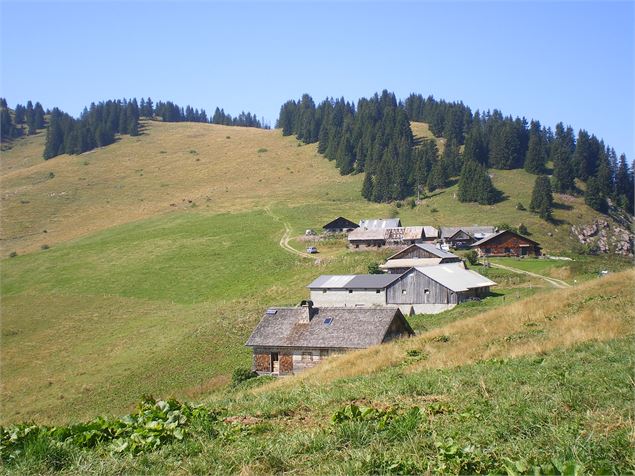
[38, 116]
[593, 196]
[624, 185]
[562, 149]
[367, 186]
[542, 198]
[19, 114]
[475, 185]
[536, 156]
[437, 177]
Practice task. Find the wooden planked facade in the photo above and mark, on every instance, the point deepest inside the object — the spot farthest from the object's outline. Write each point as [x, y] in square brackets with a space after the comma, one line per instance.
[507, 243]
[416, 288]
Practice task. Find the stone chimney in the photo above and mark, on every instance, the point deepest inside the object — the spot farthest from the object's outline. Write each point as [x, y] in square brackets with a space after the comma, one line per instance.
[307, 311]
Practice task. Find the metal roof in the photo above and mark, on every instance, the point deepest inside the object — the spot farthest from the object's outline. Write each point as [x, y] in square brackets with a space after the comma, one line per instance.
[372, 224]
[410, 263]
[359, 281]
[333, 327]
[455, 277]
[449, 231]
[432, 249]
[430, 231]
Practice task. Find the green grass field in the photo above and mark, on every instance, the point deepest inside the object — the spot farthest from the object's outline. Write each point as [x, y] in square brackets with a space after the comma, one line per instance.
[162, 258]
[564, 406]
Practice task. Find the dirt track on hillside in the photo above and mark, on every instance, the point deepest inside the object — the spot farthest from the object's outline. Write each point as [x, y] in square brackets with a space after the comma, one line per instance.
[557, 283]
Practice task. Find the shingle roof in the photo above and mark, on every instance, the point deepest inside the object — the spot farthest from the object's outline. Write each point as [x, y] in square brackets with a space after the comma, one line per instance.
[449, 231]
[350, 328]
[380, 223]
[364, 234]
[487, 238]
[353, 281]
[455, 277]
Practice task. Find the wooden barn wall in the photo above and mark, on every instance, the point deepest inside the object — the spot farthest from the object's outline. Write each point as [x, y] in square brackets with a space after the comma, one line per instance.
[415, 285]
[507, 244]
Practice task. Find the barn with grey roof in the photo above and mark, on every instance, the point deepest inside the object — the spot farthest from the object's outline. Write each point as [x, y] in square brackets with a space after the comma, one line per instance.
[291, 339]
[423, 289]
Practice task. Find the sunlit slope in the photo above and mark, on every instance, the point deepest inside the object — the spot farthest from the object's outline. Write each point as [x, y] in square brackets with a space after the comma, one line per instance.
[177, 166]
[599, 310]
[171, 166]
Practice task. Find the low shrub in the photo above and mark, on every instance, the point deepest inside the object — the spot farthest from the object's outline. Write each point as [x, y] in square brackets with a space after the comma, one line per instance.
[472, 257]
[241, 375]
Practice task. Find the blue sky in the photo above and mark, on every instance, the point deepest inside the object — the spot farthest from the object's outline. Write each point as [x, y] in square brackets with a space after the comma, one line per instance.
[565, 61]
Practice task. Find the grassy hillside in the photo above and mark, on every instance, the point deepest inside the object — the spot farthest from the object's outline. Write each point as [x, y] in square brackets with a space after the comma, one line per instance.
[164, 249]
[539, 387]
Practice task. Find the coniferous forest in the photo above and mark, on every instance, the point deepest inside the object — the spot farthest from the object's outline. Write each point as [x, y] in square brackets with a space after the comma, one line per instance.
[374, 137]
[98, 124]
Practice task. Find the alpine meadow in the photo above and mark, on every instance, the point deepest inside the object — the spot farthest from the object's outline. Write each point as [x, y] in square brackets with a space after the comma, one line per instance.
[346, 282]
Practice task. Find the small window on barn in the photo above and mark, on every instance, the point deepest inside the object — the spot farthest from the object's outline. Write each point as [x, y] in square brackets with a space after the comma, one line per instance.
[377, 291]
[426, 291]
[323, 291]
[307, 356]
[350, 291]
[403, 291]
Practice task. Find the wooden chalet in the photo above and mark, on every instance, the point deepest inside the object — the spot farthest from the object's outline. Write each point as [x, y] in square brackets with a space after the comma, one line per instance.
[418, 255]
[291, 339]
[507, 243]
[340, 225]
[463, 237]
[365, 238]
[379, 236]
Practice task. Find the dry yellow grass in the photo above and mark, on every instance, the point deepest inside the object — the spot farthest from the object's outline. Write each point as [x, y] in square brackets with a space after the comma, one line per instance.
[600, 310]
[22, 153]
[421, 130]
[170, 167]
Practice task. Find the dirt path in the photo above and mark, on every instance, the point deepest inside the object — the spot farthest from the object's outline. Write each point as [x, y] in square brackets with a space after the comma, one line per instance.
[284, 241]
[557, 283]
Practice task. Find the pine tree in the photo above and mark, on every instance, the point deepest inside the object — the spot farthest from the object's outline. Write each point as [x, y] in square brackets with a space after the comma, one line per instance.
[505, 152]
[593, 196]
[542, 198]
[437, 177]
[475, 185]
[38, 116]
[367, 186]
[20, 111]
[624, 185]
[536, 156]
[475, 146]
[562, 150]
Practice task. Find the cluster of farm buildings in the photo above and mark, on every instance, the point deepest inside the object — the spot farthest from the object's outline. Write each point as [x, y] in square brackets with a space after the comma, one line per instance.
[346, 312]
